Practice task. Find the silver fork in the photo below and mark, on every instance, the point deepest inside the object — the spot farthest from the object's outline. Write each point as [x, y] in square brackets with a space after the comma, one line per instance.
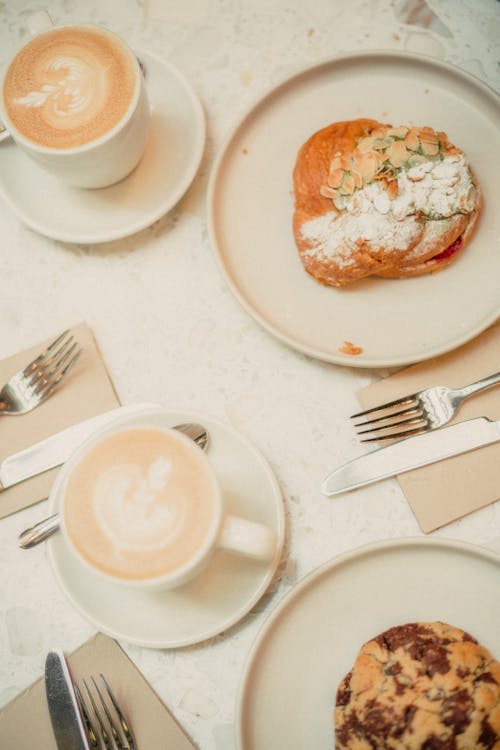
[103, 718]
[419, 412]
[36, 382]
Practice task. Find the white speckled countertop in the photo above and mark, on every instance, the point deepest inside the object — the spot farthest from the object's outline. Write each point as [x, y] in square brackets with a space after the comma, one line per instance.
[170, 330]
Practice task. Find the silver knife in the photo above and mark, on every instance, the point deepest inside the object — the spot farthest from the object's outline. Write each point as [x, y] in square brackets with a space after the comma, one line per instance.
[64, 712]
[56, 449]
[411, 453]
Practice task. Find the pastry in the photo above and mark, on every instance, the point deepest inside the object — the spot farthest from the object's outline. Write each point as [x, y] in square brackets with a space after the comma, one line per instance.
[372, 199]
[420, 686]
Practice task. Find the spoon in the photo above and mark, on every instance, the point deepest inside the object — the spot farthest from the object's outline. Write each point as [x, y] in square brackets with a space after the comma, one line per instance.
[43, 529]
[4, 133]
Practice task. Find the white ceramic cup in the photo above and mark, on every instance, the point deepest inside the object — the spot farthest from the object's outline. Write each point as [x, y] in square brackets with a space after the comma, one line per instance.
[232, 533]
[100, 162]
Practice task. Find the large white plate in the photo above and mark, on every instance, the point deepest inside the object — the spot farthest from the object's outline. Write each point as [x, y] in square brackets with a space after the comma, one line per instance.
[251, 202]
[287, 694]
[166, 170]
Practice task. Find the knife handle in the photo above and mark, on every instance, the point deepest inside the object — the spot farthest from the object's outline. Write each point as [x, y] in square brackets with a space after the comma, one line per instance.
[39, 532]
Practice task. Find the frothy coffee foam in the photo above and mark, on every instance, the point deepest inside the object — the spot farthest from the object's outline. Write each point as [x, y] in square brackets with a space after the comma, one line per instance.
[69, 86]
[140, 504]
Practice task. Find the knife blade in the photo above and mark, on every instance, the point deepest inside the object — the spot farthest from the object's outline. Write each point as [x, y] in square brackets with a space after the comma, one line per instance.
[411, 453]
[64, 713]
[56, 449]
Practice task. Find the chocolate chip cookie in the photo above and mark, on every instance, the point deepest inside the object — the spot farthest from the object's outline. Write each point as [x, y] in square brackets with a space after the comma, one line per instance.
[420, 686]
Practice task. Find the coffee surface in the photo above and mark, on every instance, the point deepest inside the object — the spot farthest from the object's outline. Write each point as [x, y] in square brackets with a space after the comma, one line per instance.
[140, 504]
[69, 86]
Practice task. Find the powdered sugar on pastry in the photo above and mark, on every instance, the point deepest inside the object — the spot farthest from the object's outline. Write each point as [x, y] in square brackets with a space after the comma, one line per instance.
[336, 236]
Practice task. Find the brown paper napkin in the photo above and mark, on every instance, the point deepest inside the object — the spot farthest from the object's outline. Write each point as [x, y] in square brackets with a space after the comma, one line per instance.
[25, 721]
[447, 490]
[86, 392]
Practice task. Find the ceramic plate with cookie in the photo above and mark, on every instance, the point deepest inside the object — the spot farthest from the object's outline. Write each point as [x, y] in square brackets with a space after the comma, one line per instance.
[394, 643]
[421, 122]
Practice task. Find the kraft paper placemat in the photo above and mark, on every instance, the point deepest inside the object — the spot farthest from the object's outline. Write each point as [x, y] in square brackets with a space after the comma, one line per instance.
[86, 392]
[25, 721]
[447, 490]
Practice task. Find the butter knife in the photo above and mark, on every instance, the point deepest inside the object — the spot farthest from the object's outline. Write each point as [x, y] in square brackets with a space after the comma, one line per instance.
[65, 717]
[411, 453]
[56, 449]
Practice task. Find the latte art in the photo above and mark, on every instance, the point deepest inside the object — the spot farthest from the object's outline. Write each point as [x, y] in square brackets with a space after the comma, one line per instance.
[129, 510]
[69, 86]
[141, 503]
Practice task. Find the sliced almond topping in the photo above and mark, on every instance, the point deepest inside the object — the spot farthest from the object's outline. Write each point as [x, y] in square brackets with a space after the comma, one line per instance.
[327, 192]
[430, 149]
[348, 185]
[379, 144]
[358, 180]
[365, 144]
[398, 154]
[367, 166]
[443, 139]
[399, 132]
[427, 135]
[335, 178]
[412, 141]
[335, 163]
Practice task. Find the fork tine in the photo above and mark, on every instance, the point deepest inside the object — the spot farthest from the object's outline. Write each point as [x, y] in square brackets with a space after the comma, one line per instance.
[47, 386]
[114, 731]
[48, 351]
[401, 412]
[397, 402]
[419, 419]
[123, 723]
[395, 436]
[49, 365]
[103, 732]
[60, 370]
[91, 734]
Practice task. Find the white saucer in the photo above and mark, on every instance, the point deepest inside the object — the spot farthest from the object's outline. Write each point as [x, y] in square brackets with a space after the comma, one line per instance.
[220, 596]
[170, 162]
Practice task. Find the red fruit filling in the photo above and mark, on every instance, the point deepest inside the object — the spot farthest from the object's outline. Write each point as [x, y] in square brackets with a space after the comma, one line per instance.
[451, 250]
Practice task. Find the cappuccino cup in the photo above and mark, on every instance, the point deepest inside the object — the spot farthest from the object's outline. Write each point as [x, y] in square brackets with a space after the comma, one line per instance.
[140, 505]
[74, 100]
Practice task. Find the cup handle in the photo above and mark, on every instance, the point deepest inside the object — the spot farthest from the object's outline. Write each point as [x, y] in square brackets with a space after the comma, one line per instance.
[247, 538]
[39, 22]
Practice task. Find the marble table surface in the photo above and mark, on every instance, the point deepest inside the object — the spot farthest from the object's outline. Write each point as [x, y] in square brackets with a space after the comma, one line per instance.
[171, 331]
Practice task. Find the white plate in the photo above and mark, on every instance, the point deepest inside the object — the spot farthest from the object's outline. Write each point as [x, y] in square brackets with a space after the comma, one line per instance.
[167, 168]
[251, 203]
[216, 599]
[310, 642]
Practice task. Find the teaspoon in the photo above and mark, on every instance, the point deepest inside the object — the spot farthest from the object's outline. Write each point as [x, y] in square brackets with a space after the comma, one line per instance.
[4, 133]
[43, 529]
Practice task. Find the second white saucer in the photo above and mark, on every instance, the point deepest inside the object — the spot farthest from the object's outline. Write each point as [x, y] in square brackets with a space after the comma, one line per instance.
[216, 599]
[170, 162]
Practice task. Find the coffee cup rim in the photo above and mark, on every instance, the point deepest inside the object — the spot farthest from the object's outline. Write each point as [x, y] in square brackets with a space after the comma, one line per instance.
[89, 145]
[128, 422]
